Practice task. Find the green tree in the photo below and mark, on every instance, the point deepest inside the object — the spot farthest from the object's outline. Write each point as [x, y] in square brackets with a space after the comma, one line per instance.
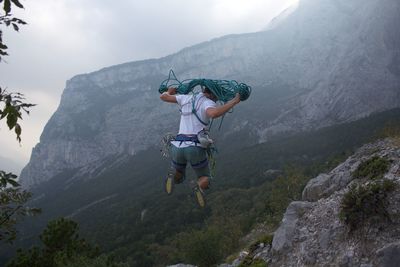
[101, 261]
[284, 189]
[12, 200]
[12, 196]
[62, 247]
[61, 243]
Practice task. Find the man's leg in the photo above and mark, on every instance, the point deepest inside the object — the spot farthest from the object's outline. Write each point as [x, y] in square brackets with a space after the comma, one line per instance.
[203, 182]
[199, 161]
[179, 176]
[179, 166]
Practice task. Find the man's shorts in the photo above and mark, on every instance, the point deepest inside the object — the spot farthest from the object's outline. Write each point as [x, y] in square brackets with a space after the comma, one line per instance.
[197, 157]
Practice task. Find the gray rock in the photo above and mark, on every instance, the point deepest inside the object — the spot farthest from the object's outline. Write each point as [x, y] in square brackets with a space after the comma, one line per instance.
[389, 256]
[283, 236]
[311, 233]
[236, 262]
[324, 239]
[324, 185]
[315, 188]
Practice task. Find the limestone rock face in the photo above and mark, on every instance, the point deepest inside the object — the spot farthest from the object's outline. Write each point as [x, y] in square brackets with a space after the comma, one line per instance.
[326, 184]
[389, 256]
[312, 234]
[283, 237]
[327, 62]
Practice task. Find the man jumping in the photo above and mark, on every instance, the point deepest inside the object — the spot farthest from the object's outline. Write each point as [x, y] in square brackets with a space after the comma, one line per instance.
[196, 111]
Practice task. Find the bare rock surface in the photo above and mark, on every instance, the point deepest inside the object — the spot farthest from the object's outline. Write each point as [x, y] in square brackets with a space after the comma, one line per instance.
[312, 234]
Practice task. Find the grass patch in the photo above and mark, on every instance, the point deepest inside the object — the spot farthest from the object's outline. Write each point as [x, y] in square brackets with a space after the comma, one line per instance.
[373, 168]
[367, 203]
[253, 263]
[266, 240]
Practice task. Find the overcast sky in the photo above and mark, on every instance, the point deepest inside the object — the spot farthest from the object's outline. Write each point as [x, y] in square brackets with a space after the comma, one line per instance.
[69, 37]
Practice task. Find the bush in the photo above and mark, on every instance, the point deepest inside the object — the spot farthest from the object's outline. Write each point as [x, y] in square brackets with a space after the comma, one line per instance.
[364, 204]
[79, 261]
[373, 168]
[208, 246]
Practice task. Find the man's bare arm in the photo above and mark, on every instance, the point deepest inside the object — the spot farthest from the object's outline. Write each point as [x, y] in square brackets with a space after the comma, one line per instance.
[169, 96]
[221, 110]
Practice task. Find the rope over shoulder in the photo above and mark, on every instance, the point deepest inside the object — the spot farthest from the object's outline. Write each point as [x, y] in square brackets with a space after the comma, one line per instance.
[224, 90]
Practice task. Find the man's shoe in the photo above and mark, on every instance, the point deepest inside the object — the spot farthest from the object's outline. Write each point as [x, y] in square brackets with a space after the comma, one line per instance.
[169, 183]
[199, 195]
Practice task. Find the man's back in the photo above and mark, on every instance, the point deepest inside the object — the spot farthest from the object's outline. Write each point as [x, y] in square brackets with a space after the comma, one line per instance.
[189, 123]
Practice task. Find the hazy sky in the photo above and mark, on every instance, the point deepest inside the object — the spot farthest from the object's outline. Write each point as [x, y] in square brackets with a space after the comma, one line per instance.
[69, 37]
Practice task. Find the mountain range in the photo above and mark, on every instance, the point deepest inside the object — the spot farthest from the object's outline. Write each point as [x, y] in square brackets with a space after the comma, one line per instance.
[325, 63]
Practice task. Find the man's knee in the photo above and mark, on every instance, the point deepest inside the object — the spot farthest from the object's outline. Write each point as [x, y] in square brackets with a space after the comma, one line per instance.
[204, 182]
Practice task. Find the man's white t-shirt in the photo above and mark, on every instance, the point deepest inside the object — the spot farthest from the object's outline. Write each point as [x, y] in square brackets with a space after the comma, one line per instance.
[190, 124]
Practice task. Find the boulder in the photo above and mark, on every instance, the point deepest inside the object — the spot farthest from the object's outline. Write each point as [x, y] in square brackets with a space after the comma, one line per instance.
[283, 237]
[389, 255]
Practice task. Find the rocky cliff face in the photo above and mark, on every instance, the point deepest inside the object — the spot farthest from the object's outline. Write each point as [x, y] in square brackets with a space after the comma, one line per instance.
[329, 61]
[312, 233]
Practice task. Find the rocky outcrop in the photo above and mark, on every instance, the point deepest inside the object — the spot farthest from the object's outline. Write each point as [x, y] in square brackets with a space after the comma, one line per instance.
[389, 256]
[326, 62]
[284, 235]
[312, 234]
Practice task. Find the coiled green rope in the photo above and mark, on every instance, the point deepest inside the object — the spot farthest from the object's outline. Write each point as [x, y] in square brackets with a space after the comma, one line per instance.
[224, 90]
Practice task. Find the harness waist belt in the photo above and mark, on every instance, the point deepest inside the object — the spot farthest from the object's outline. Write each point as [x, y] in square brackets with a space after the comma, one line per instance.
[184, 138]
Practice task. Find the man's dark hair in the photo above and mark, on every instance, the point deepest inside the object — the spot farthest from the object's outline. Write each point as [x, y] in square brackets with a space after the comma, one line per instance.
[208, 91]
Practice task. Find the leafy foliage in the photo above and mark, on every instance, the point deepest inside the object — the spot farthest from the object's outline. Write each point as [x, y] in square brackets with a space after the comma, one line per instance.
[12, 197]
[8, 20]
[253, 263]
[366, 204]
[101, 261]
[12, 201]
[373, 168]
[208, 246]
[13, 106]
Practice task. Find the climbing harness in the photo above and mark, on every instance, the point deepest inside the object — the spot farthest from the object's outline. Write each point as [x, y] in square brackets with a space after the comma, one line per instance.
[166, 144]
[204, 138]
[187, 138]
[211, 151]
